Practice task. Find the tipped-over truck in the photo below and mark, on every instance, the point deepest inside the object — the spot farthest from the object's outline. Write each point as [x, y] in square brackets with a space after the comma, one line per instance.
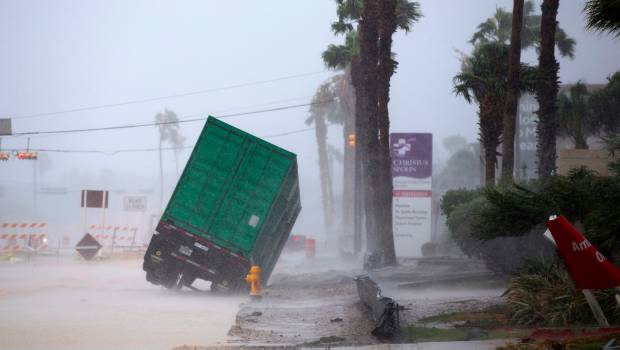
[233, 207]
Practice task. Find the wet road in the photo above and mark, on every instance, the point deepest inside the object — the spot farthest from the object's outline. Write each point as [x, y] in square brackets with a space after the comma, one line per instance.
[103, 305]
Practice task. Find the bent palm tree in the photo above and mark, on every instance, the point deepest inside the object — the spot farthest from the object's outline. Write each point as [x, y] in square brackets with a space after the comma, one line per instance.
[322, 112]
[168, 127]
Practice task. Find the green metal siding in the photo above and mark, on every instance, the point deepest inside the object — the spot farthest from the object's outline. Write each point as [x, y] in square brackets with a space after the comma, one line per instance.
[231, 191]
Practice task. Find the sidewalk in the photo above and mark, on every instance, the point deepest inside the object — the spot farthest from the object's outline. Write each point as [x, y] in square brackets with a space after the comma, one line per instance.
[457, 345]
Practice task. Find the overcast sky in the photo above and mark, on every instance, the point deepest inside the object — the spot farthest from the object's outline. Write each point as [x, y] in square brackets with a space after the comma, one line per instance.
[60, 55]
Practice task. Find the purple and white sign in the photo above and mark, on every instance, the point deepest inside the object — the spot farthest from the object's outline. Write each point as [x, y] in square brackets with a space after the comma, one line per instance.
[412, 164]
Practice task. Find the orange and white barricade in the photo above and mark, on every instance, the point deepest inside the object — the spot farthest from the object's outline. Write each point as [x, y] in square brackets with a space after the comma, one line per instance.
[22, 237]
[118, 236]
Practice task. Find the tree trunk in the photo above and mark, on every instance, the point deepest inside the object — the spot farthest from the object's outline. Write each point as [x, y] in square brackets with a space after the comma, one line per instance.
[547, 90]
[359, 125]
[348, 182]
[321, 140]
[369, 36]
[580, 139]
[490, 131]
[512, 93]
[161, 180]
[385, 70]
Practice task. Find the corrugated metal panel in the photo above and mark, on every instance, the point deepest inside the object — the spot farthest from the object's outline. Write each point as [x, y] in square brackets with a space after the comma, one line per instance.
[238, 191]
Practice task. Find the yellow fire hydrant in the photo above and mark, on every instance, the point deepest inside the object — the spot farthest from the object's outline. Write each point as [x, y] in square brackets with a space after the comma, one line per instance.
[253, 279]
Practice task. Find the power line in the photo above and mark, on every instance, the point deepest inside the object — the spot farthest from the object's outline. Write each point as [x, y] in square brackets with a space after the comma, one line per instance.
[231, 109]
[144, 100]
[133, 150]
[129, 126]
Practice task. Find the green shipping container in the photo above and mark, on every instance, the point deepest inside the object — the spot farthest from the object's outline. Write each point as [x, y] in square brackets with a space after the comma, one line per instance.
[234, 206]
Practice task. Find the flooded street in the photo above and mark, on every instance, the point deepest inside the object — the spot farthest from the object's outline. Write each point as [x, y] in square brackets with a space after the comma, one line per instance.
[103, 305]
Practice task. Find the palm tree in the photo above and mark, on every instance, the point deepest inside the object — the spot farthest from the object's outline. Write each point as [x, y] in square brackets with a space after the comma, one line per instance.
[378, 21]
[603, 16]
[483, 80]
[498, 28]
[363, 69]
[339, 57]
[512, 93]
[390, 14]
[547, 90]
[168, 131]
[574, 118]
[320, 114]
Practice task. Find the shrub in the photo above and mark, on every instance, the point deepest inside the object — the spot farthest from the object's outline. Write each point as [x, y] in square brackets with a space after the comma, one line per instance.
[544, 294]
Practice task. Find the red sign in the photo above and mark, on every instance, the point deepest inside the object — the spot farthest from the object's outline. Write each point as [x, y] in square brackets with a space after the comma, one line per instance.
[586, 265]
[412, 193]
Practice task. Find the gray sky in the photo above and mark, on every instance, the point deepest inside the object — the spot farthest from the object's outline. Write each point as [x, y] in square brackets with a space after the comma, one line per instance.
[58, 55]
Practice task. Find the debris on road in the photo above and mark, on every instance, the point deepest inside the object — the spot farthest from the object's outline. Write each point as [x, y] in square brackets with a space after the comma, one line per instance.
[383, 310]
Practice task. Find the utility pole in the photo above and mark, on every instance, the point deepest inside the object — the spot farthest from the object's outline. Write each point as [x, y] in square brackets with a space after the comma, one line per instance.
[34, 181]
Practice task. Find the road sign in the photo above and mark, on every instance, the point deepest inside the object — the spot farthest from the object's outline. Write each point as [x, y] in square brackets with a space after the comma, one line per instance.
[134, 203]
[94, 199]
[88, 247]
[5, 126]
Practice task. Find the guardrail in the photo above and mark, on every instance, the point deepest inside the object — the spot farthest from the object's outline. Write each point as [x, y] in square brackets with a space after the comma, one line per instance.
[384, 310]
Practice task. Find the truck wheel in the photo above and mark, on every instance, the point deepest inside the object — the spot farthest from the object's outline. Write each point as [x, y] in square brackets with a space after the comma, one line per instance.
[171, 279]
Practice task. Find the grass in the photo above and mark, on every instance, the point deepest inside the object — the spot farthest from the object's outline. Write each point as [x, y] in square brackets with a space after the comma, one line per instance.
[424, 334]
[496, 316]
[325, 340]
[494, 320]
[588, 343]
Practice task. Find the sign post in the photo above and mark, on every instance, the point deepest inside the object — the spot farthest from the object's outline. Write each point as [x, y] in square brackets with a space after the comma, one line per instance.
[94, 199]
[412, 164]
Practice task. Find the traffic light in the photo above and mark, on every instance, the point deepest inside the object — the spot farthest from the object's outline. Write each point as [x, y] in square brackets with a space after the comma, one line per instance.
[351, 141]
[27, 155]
[4, 156]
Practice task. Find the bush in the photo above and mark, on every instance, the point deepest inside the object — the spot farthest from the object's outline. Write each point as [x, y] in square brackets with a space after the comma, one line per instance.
[582, 196]
[501, 253]
[544, 294]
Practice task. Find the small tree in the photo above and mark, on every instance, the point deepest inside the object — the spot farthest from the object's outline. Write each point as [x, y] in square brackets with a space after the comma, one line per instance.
[574, 117]
[604, 105]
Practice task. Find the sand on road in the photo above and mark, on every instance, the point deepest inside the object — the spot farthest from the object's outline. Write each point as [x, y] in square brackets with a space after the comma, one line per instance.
[104, 305]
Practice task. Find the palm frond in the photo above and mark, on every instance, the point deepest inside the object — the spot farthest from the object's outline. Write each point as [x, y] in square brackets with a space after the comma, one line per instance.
[603, 16]
[407, 13]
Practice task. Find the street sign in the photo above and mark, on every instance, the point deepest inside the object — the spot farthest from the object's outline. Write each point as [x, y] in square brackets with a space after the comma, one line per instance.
[94, 199]
[88, 247]
[412, 164]
[5, 126]
[134, 203]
